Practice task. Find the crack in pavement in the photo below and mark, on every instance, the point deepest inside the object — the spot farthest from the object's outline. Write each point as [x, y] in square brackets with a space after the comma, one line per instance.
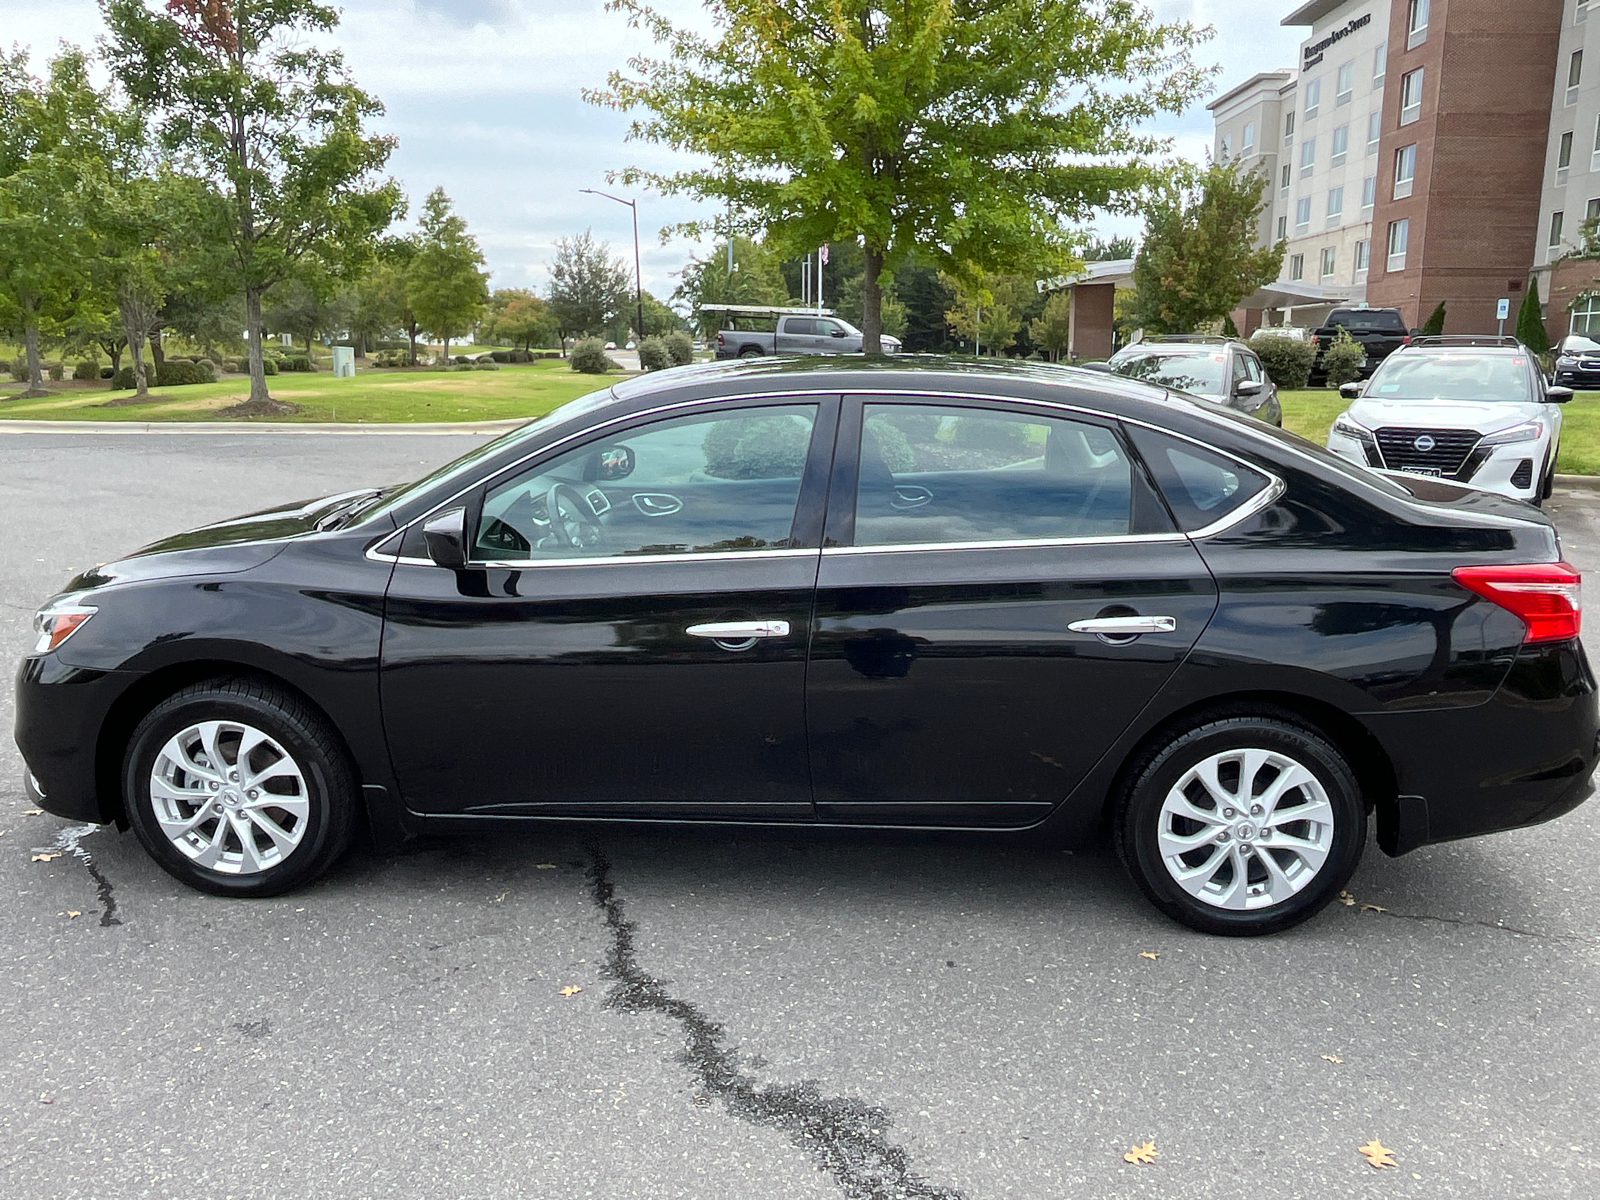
[1463, 921]
[70, 840]
[845, 1136]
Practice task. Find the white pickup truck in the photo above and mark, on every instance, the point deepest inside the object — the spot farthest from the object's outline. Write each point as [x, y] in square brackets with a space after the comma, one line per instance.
[750, 332]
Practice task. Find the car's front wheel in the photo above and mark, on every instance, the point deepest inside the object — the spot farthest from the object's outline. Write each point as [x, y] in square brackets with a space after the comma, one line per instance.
[238, 788]
[1243, 825]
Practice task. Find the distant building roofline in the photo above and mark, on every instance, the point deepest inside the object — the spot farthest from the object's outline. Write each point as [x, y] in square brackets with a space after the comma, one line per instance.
[1311, 12]
[1279, 77]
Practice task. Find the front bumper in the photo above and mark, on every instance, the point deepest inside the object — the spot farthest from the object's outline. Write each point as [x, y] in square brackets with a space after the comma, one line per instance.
[61, 712]
[1524, 757]
[1515, 470]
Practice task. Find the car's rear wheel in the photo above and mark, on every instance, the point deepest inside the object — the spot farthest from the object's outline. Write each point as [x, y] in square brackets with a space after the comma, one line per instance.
[1241, 826]
[238, 788]
[750, 352]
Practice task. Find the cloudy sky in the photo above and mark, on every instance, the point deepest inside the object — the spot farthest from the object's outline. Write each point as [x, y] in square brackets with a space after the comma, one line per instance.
[484, 97]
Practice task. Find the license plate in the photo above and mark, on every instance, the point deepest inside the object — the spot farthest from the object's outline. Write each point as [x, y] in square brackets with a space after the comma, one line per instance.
[1435, 472]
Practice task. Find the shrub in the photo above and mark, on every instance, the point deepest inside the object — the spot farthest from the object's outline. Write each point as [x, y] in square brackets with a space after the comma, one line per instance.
[653, 354]
[987, 433]
[917, 426]
[759, 448]
[1530, 324]
[462, 366]
[485, 364]
[298, 362]
[1434, 325]
[462, 360]
[19, 370]
[892, 444]
[87, 369]
[589, 356]
[1342, 358]
[106, 373]
[123, 380]
[177, 372]
[1287, 359]
[269, 366]
[56, 370]
[680, 347]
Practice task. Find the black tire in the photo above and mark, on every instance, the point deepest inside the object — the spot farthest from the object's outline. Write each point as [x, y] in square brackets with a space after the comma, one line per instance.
[331, 789]
[750, 352]
[1162, 767]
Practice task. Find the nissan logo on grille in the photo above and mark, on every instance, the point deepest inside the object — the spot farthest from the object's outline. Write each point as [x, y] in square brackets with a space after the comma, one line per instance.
[1424, 443]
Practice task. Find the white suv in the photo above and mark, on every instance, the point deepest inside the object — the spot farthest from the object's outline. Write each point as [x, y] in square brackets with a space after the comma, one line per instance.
[1474, 410]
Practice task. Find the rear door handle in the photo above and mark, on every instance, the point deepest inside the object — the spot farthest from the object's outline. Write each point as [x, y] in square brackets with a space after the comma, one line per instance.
[739, 631]
[1124, 626]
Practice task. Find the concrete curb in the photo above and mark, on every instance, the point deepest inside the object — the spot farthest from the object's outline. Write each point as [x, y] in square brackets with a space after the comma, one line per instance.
[1588, 482]
[484, 428]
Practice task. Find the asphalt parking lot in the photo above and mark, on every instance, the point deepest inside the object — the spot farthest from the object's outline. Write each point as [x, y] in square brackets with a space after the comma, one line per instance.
[760, 1015]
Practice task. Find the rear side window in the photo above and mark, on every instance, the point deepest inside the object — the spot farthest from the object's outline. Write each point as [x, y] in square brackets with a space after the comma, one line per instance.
[1201, 486]
[949, 475]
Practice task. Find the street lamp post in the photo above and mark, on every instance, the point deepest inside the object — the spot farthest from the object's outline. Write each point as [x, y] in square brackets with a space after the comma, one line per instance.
[638, 278]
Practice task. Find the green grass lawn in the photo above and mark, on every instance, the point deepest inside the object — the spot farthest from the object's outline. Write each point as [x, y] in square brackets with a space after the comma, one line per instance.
[523, 390]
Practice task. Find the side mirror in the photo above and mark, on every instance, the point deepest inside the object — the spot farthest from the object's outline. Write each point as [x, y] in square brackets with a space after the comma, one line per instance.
[1417, 333]
[837, 332]
[446, 538]
[1350, 391]
[1097, 366]
[1558, 395]
[611, 464]
[1248, 387]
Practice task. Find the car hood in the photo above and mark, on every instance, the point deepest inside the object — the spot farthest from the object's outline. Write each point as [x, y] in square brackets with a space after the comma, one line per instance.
[223, 548]
[1487, 416]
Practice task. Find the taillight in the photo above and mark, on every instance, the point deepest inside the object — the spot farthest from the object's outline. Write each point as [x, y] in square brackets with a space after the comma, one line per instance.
[721, 341]
[1405, 339]
[1547, 596]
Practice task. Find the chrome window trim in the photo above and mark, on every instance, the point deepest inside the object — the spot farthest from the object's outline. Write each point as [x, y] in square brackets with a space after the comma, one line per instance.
[1262, 499]
[1111, 539]
[524, 564]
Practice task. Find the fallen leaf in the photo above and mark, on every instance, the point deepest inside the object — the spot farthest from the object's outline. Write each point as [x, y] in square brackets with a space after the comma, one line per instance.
[570, 990]
[1377, 1155]
[1346, 899]
[1149, 954]
[501, 897]
[46, 856]
[73, 914]
[33, 812]
[544, 866]
[1144, 1154]
[47, 1099]
[1373, 908]
[1333, 1058]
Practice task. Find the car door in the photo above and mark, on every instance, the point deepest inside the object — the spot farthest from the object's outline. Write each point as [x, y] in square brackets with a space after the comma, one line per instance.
[833, 338]
[1001, 592]
[799, 336]
[629, 636]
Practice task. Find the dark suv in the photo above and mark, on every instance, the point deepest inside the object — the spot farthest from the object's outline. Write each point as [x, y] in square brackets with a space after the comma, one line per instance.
[1380, 331]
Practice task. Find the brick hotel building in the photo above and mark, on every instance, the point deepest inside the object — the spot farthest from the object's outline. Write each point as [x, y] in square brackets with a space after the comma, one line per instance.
[1424, 151]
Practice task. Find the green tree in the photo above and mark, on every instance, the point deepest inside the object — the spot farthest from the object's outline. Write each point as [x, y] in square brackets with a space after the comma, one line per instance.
[304, 308]
[56, 137]
[1052, 329]
[756, 278]
[1199, 257]
[968, 131]
[659, 320]
[444, 286]
[1112, 250]
[245, 92]
[517, 317]
[988, 310]
[1530, 323]
[588, 285]
[1434, 325]
[926, 297]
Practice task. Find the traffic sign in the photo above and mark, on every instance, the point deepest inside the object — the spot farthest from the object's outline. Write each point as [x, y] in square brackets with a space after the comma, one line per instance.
[1503, 310]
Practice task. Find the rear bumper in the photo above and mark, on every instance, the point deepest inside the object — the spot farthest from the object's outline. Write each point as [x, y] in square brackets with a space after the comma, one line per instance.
[1523, 758]
[60, 713]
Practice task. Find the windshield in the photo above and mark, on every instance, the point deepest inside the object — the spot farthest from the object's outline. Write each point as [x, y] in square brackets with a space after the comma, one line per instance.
[1376, 318]
[1579, 345]
[1462, 376]
[466, 462]
[1200, 371]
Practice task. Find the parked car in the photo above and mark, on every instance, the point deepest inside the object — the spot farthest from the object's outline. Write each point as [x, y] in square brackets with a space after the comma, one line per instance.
[1222, 370]
[1380, 331]
[1009, 599]
[754, 332]
[1472, 410]
[1577, 363]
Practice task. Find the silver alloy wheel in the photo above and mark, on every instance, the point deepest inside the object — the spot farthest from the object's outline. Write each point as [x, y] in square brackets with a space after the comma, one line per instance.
[229, 797]
[1245, 829]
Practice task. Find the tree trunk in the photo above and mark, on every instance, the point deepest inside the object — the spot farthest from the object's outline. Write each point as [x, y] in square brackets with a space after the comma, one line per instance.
[361, 345]
[447, 349]
[116, 362]
[411, 336]
[258, 375]
[35, 368]
[871, 302]
[158, 354]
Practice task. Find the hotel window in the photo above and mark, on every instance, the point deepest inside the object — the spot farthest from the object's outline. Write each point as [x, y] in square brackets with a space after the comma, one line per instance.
[1308, 157]
[1247, 140]
[1594, 158]
[1405, 171]
[1341, 144]
[1369, 191]
[1374, 132]
[1288, 129]
[1380, 62]
[1582, 13]
[1363, 255]
[1399, 235]
[1574, 76]
[1335, 207]
[1283, 228]
[1586, 311]
[1592, 212]
[1346, 84]
[1327, 262]
[1283, 190]
[1563, 158]
[1410, 96]
[1297, 266]
[1313, 97]
[1556, 219]
[1417, 23]
[1302, 213]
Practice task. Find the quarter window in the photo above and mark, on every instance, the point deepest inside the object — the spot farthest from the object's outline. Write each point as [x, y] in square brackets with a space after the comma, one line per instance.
[951, 475]
[1201, 486]
[701, 484]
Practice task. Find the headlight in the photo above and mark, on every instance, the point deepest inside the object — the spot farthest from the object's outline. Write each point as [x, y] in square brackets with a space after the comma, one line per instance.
[59, 620]
[1344, 424]
[1566, 360]
[1531, 432]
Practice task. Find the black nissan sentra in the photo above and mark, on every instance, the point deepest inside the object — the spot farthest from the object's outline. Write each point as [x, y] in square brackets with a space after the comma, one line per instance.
[847, 593]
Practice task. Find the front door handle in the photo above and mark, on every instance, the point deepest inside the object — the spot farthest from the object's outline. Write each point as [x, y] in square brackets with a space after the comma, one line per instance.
[1124, 626]
[738, 631]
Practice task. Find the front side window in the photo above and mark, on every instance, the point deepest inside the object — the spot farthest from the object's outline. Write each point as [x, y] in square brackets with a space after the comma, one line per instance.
[717, 483]
[1410, 96]
[1347, 83]
[947, 475]
[800, 326]
[1405, 171]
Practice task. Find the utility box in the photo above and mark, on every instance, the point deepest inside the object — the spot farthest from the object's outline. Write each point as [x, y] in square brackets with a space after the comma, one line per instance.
[344, 362]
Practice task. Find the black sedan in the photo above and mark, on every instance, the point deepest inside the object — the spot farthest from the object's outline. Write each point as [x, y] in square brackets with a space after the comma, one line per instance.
[1002, 599]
